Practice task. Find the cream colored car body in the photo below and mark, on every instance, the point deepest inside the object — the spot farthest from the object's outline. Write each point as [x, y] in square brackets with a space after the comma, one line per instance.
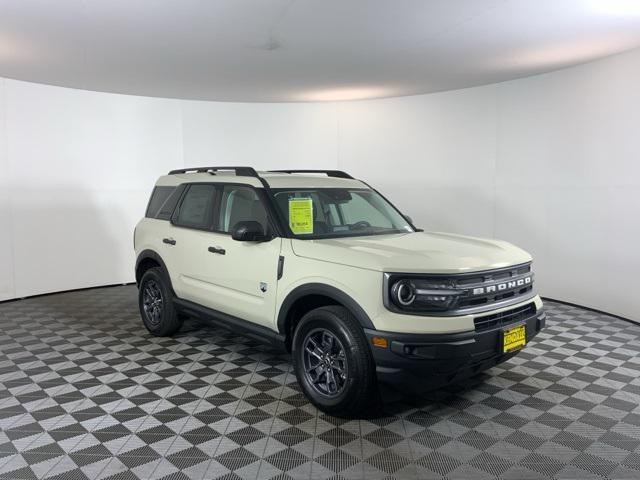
[233, 283]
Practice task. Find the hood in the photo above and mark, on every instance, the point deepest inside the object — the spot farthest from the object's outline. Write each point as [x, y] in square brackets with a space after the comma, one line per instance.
[418, 252]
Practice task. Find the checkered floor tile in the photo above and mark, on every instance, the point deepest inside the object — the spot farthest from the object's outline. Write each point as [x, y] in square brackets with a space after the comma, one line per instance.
[85, 392]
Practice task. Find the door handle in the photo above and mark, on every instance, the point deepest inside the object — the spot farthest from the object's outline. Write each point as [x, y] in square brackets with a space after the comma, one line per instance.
[218, 250]
[169, 241]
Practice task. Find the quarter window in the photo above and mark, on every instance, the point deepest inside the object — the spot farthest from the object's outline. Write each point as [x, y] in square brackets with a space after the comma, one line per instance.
[169, 205]
[158, 198]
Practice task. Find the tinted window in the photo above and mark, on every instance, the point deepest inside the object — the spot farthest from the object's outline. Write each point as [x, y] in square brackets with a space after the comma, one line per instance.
[240, 204]
[158, 197]
[170, 205]
[196, 209]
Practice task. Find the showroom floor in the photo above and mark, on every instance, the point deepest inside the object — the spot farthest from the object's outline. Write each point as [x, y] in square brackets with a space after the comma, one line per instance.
[87, 393]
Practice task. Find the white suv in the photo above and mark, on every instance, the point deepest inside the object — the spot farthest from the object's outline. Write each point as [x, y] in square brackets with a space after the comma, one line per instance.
[321, 265]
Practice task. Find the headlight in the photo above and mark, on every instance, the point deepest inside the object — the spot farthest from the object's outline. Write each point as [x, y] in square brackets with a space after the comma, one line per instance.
[403, 293]
[421, 295]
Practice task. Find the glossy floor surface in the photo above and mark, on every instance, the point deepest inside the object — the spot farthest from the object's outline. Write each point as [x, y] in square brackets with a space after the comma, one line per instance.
[86, 392]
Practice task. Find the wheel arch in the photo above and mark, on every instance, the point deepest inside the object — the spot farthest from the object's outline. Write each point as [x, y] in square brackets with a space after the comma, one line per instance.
[307, 297]
[150, 259]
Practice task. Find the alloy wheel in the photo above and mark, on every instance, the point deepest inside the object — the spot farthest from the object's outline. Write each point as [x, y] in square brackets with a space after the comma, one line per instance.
[325, 362]
[152, 302]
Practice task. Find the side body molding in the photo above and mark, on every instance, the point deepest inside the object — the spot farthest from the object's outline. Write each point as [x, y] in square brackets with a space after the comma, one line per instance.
[325, 290]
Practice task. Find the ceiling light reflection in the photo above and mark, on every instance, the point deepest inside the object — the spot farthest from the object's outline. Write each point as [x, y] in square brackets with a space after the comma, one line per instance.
[557, 56]
[13, 50]
[345, 94]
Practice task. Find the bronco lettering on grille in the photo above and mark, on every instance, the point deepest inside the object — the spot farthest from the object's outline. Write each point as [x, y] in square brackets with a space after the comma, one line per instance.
[499, 287]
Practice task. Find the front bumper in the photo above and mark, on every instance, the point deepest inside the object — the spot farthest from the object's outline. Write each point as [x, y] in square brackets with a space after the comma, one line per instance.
[427, 361]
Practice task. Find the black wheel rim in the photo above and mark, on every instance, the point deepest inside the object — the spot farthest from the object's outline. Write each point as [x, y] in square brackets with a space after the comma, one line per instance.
[152, 302]
[325, 362]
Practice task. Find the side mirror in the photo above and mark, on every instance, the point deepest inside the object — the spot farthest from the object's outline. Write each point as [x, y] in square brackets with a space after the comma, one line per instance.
[249, 231]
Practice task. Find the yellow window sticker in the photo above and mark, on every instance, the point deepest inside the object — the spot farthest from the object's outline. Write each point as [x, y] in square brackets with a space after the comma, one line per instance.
[301, 215]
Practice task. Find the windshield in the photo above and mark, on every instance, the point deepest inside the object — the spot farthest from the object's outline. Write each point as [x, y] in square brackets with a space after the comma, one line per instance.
[338, 212]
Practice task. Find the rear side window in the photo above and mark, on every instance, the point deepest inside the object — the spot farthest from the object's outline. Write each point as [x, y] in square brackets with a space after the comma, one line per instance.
[197, 207]
[158, 197]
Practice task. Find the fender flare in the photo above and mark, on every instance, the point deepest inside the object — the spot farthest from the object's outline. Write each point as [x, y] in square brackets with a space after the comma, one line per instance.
[328, 291]
[151, 254]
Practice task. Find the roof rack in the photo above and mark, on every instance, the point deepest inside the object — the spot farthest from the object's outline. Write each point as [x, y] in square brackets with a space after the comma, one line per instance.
[239, 171]
[329, 173]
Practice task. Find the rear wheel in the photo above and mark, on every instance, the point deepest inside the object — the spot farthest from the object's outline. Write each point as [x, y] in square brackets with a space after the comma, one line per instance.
[155, 300]
[333, 363]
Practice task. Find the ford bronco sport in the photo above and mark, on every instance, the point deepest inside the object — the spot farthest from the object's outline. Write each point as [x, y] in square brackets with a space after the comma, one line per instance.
[323, 266]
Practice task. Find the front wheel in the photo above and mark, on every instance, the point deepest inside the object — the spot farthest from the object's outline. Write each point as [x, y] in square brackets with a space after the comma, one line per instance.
[333, 363]
[156, 304]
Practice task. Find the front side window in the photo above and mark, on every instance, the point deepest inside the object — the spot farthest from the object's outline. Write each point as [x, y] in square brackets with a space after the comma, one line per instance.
[240, 204]
[197, 207]
[338, 212]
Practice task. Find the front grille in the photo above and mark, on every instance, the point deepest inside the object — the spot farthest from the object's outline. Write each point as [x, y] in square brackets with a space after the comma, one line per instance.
[505, 282]
[484, 300]
[507, 317]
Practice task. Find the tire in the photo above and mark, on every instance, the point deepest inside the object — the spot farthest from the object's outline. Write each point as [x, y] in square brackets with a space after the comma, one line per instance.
[155, 300]
[351, 394]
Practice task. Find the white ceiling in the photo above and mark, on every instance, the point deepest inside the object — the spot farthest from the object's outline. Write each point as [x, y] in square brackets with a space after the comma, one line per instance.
[303, 50]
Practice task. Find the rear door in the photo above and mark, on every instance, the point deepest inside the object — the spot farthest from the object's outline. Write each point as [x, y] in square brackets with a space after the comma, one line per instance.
[191, 224]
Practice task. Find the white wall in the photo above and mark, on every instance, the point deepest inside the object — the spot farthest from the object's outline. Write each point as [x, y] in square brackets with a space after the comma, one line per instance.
[569, 151]
[548, 162]
[7, 289]
[75, 177]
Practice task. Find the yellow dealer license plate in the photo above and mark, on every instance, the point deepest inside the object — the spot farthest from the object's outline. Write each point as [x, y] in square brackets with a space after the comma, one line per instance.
[514, 339]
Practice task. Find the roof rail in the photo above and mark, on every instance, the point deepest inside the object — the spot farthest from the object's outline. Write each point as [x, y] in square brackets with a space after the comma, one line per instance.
[239, 171]
[329, 173]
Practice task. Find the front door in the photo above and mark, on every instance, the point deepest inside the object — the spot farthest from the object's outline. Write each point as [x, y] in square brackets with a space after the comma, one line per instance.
[236, 278]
